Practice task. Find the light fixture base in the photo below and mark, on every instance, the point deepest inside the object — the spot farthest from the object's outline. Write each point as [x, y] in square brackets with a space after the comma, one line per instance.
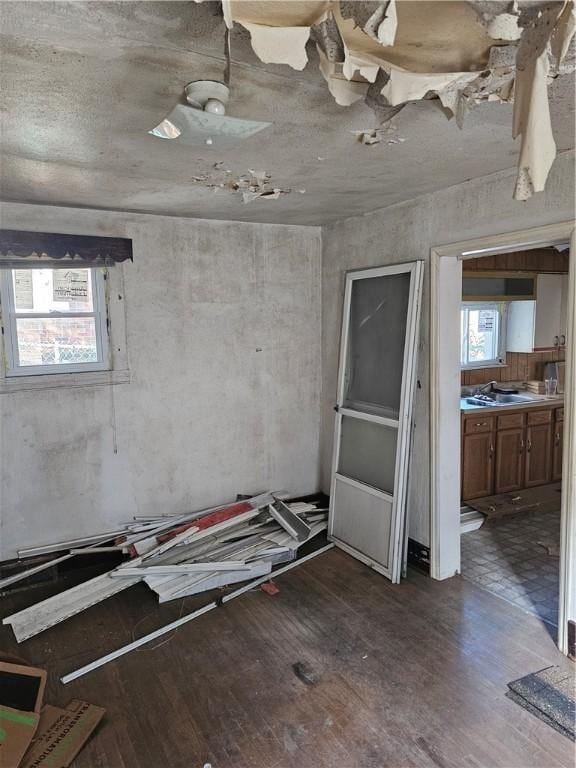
[201, 91]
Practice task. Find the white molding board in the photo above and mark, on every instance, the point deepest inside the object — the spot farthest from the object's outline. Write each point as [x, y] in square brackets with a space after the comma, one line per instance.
[63, 546]
[445, 417]
[567, 597]
[41, 616]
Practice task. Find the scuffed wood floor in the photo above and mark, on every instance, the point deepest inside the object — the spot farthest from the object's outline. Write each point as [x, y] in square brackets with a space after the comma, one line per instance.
[398, 676]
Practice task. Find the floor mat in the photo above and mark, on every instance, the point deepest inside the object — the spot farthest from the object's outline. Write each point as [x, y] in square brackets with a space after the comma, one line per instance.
[544, 498]
[549, 695]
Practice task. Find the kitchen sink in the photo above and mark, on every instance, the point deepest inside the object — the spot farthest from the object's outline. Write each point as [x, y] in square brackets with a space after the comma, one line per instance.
[513, 398]
[490, 401]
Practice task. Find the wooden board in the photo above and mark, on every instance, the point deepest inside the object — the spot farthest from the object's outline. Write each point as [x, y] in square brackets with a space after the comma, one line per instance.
[534, 260]
[545, 498]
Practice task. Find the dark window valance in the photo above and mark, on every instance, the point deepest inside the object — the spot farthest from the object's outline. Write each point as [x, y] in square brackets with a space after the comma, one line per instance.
[19, 249]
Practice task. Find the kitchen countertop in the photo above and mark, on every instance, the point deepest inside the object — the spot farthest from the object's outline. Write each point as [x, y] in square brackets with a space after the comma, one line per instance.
[535, 402]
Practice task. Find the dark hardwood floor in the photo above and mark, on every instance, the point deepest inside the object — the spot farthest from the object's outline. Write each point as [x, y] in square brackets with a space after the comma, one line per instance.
[388, 676]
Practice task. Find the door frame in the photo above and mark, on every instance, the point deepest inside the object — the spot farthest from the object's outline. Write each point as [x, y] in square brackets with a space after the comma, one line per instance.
[445, 298]
[402, 424]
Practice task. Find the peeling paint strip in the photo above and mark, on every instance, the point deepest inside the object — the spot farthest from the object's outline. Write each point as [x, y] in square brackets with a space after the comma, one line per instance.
[411, 86]
[279, 45]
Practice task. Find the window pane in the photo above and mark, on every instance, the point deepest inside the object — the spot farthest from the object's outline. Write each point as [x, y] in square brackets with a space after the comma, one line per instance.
[368, 453]
[57, 340]
[52, 290]
[482, 335]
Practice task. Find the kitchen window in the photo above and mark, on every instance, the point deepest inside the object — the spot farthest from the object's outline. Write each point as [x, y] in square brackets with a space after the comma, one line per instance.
[54, 320]
[482, 335]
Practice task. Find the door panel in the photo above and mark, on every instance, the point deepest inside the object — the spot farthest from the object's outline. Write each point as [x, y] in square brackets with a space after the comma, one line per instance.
[362, 520]
[538, 454]
[368, 453]
[374, 410]
[478, 465]
[509, 475]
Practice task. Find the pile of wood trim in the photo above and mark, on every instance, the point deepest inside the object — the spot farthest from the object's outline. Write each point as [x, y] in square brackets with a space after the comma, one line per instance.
[182, 555]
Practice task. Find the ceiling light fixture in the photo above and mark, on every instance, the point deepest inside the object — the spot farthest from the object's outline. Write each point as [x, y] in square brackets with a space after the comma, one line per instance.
[203, 119]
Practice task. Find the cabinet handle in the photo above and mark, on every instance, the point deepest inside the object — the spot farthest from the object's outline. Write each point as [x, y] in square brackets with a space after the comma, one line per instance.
[481, 424]
[562, 340]
[491, 450]
[556, 341]
[522, 445]
[557, 438]
[529, 445]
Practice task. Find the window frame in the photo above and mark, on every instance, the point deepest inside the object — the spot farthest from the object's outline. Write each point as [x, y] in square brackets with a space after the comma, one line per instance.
[10, 331]
[495, 362]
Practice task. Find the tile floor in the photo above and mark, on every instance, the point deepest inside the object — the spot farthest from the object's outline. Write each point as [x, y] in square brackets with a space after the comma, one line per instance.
[505, 558]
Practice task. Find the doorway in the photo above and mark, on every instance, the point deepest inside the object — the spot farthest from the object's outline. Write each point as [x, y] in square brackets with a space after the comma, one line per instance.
[446, 294]
[512, 351]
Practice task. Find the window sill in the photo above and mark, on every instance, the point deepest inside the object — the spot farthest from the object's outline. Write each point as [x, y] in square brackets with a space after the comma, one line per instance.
[481, 366]
[63, 381]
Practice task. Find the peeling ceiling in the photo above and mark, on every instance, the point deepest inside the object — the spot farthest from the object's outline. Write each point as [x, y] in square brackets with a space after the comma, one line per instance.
[82, 83]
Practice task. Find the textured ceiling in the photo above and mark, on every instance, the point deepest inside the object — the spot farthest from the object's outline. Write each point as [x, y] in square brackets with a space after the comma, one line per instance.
[83, 82]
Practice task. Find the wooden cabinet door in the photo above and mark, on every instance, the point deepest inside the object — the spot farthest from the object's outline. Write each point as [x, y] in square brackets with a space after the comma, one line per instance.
[557, 451]
[477, 465]
[538, 454]
[509, 471]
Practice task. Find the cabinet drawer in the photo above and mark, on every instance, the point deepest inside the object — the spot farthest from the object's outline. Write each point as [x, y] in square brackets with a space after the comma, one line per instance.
[559, 414]
[539, 417]
[478, 424]
[511, 420]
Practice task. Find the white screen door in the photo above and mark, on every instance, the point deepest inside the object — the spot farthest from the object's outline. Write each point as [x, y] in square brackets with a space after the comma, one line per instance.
[373, 414]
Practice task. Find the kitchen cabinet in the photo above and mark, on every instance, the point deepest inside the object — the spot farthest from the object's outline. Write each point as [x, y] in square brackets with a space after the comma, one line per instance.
[539, 325]
[477, 465]
[507, 452]
[538, 455]
[509, 474]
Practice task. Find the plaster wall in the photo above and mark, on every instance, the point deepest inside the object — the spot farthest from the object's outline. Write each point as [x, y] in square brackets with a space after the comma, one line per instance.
[405, 232]
[223, 338]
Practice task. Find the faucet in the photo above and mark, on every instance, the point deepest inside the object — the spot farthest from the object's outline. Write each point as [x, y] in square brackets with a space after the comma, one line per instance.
[480, 390]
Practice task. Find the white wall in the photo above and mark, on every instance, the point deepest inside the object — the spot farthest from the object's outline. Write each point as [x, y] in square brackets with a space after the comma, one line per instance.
[207, 415]
[223, 337]
[405, 232]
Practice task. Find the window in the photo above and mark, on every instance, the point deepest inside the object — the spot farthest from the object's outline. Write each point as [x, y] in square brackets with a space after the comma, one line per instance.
[54, 320]
[482, 335]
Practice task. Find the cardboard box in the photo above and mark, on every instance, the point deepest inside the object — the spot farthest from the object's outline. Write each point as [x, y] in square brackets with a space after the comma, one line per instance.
[61, 734]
